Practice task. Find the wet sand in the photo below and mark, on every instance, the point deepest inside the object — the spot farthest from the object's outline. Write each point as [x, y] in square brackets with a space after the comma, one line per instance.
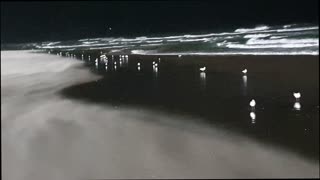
[61, 121]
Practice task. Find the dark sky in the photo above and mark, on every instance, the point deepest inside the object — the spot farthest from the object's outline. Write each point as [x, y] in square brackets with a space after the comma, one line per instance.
[52, 20]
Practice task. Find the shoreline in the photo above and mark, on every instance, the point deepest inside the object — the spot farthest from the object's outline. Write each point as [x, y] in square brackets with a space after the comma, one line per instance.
[42, 131]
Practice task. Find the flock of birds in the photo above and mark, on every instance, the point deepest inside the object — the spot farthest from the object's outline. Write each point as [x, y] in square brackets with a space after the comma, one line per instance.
[252, 103]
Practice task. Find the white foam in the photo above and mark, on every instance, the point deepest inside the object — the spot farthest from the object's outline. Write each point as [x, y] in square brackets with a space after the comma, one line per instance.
[258, 28]
[312, 41]
[256, 36]
[144, 52]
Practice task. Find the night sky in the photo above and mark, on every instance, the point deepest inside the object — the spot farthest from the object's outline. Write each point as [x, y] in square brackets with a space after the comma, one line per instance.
[52, 21]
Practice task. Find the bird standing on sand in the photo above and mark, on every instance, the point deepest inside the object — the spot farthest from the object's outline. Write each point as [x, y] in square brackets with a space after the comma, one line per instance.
[244, 71]
[252, 103]
[203, 69]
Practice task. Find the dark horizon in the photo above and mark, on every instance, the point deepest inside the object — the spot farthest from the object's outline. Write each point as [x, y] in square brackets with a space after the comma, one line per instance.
[55, 21]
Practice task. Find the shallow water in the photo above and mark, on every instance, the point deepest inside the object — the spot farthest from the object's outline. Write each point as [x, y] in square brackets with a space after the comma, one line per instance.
[221, 95]
[154, 125]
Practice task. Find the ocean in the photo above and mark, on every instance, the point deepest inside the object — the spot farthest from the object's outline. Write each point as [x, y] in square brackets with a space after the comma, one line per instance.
[293, 39]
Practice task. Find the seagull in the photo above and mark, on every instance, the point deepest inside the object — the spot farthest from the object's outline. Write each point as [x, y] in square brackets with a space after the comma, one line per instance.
[203, 69]
[252, 103]
[297, 95]
[245, 71]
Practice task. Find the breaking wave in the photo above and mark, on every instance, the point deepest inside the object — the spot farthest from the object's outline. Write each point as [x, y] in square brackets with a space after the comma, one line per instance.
[292, 39]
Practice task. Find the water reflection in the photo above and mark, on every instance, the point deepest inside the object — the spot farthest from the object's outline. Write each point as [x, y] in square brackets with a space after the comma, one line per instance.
[155, 71]
[97, 62]
[203, 80]
[297, 106]
[244, 83]
[253, 117]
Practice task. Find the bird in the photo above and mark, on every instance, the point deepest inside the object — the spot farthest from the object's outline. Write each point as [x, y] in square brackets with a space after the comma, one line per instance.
[203, 69]
[252, 103]
[297, 95]
[244, 71]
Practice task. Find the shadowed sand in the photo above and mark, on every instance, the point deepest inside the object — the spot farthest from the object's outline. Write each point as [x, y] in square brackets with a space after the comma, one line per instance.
[46, 136]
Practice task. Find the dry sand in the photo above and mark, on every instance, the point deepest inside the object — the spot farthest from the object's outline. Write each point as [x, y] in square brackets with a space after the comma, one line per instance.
[46, 136]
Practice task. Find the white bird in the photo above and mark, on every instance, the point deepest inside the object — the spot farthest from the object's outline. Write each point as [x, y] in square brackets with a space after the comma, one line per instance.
[245, 71]
[297, 95]
[252, 103]
[203, 69]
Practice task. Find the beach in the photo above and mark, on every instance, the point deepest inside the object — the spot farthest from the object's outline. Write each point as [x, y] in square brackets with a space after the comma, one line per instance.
[62, 119]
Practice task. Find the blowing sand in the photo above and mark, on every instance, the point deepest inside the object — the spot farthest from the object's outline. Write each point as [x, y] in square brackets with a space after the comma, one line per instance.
[47, 136]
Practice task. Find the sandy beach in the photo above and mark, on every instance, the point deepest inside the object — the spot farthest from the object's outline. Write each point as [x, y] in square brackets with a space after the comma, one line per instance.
[59, 120]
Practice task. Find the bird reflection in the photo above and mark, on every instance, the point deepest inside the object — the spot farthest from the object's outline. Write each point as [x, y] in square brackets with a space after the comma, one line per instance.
[203, 80]
[297, 106]
[253, 117]
[96, 62]
[155, 71]
[244, 80]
